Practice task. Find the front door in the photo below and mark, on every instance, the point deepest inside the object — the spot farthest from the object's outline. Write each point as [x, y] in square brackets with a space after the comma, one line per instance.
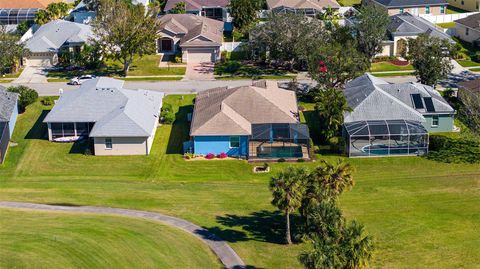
[166, 45]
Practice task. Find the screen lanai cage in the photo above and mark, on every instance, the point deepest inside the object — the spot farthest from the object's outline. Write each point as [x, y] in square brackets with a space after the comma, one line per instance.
[17, 15]
[385, 138]
[279, 140]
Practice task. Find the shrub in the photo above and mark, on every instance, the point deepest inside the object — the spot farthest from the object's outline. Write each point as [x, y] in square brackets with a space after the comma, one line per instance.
[265, 166]
[210, 156]
[222, 155]
[178, 58]
[281, 160]
[27, 96]
[167, 117]
[300, 161]
[188, 155]
[47, 101]
[453, 150]
[476, 57]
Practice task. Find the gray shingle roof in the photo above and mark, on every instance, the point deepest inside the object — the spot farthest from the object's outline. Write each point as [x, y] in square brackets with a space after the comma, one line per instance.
[407, 24]
[410, 3]
[197, 4]
[369, 102]
[303, 4]
[224, 111]
[472, 21]
[117, 112]
[8, 100]
[53, 35]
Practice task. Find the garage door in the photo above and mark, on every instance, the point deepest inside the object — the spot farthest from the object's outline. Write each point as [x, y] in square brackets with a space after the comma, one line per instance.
[200, 55]
[39, 60]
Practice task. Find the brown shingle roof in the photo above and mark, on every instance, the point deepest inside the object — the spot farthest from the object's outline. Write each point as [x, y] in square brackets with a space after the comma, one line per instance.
[471, 85]
[197, 4]
[224, 111]
[26, 3]
[196, 30]
[303, 4]
[472, 21]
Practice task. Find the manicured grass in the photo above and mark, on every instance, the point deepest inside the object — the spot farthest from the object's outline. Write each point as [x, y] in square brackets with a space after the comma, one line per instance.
[475, 69]
[455, 10]
[387, 66]
[57, 80]
[151, 78]
[240, 69]
[467, 63]
[422, 214]
[349, 3]
[393, 74]
[31, 239]
[447, 25]
[256, 77]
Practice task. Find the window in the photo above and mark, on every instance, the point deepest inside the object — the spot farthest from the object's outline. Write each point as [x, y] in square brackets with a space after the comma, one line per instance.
[401, 10]
[442, 9]
[108, 143]
[234, 141]
[435, 121]
[463, 2]
[466, 31]
[427, 10]
[477, 5]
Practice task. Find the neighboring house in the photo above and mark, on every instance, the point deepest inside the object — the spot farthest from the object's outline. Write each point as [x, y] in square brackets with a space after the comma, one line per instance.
[118, 121]
[252, 122]
[469, 89]
[8, 117]
[15, 12]
[468, 29]
[198, 38]
[213, 9]
[53, 37]
[80, 14]
[468, 5]
[392, 119]
[307, 7]
[415, 7]
[405, 26]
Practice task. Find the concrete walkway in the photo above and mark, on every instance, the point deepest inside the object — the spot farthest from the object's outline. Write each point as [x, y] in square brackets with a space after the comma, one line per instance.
[224, 252]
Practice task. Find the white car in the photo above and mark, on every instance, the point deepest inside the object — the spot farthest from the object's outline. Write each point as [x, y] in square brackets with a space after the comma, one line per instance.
[81, 79]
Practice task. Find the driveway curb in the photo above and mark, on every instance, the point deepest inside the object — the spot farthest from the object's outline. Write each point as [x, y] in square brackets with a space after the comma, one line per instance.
[222, 250]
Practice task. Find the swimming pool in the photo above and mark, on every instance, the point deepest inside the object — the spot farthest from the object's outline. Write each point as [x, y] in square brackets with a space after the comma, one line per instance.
[280, 152]
[380, 149]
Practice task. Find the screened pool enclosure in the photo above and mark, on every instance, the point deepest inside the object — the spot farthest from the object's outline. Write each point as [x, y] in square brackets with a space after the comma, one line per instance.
[17, 15]
[279, 140]
[385, 138]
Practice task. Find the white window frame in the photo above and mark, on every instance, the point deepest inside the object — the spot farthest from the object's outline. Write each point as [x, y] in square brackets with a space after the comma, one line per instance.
[108, 141]
[435, 118]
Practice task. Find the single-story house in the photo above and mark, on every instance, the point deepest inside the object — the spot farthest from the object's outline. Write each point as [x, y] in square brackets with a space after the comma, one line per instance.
[53, 37]
[199, 39]
[15, 12]
[8, 117]
[119, 121]
[387, 118]
[404, 26]
[212, 9]
[468, 29]
[414, 7]
[251, 122]
[307, 7]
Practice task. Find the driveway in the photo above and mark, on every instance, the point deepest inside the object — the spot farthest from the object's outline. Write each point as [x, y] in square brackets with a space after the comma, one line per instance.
[32, 74]
[199, 71]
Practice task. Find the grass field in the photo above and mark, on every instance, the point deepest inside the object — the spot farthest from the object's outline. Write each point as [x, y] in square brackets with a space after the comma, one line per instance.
[393, 74]
[422, 214]
[387, 66]
[447, 25]
[61, 240]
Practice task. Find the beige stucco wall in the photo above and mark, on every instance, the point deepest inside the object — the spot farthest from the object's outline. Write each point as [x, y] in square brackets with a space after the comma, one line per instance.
[387, 50]
[121, 146]
[460, 32]
[434, 10]
[469, 5]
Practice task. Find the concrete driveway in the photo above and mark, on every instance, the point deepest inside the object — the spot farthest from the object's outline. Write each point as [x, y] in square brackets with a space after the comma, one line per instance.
[32, 74]
[199, 71]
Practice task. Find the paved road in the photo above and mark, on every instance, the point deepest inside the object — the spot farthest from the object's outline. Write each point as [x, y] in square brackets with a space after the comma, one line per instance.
[171, 87]
[224, 252]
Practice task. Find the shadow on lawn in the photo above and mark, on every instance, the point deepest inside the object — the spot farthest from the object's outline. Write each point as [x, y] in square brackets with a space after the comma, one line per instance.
[180, 130]
[39, 130]
[263, 226]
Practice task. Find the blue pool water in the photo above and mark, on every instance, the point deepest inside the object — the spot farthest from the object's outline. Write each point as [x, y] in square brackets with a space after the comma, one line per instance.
[279, 152]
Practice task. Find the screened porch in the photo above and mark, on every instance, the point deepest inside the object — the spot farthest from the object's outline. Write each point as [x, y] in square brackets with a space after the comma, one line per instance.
[279, 141]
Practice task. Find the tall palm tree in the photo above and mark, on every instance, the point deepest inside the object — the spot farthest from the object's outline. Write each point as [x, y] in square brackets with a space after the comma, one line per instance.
[287, 190]
[334, 178]
[330, 105]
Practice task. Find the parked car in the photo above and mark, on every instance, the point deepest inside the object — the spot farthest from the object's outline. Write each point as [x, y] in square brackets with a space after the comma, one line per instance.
[81, 79]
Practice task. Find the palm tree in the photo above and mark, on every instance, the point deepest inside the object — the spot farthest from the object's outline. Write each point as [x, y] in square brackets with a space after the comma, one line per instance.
[330, 105]
[334, 178]
[356, 247]
[287, 190]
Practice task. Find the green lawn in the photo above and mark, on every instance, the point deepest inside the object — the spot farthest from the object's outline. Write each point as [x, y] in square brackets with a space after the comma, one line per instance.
[142, 66]
[387, 66]
[238, 69]
[455, 10]
[13, 75]
[349, 3]
[447, 25]
[468, 63]
[393, 74]
[31, 239]
[423, 214]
